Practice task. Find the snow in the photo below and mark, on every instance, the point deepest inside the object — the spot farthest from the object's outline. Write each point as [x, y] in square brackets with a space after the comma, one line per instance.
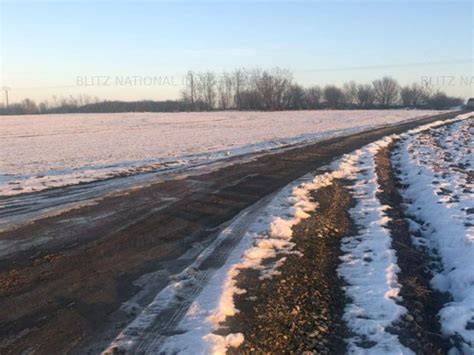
[268, 233]
[437, 168]
[373, 284]
[369, 264]
[40, 152]
[268, 236]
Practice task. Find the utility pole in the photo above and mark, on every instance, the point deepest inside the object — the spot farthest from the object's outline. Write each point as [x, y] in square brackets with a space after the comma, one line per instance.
[6, 89]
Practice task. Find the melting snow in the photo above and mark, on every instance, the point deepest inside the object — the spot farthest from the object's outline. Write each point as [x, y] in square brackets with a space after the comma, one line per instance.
[437, 168]
[369, 264]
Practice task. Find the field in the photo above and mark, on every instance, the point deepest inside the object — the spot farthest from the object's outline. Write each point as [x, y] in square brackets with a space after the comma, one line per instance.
[40, 152]
[349, 240]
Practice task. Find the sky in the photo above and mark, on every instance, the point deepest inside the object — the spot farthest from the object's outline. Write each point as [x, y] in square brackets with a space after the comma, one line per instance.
[142, 49]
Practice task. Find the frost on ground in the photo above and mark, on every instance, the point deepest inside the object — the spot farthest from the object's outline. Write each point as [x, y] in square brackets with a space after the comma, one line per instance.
[40, 152]
[437, 168]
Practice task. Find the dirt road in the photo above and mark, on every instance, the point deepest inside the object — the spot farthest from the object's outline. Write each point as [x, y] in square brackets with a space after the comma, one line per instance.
[63, 278]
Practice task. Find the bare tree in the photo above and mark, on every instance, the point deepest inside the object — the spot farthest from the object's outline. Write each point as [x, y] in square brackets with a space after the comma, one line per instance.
[210, 89]
[239, 80]
[282, 82]
[413, 96]
[333, 96]
[386, 91]
[225, 91]
[350, 92]
[250, 96]
[188, 95]
[44, 106]
[313, 97]
[271, 87]
[440, 101]
[29, 106]
[206, 90]
[417, 95]
[365, 95]
[6, 89]
[295, 98]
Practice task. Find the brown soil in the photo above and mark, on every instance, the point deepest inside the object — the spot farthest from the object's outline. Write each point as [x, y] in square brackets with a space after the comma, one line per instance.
[301, 309]
[420, 330]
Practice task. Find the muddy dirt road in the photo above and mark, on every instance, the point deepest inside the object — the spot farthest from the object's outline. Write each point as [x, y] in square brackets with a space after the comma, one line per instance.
[63, 278]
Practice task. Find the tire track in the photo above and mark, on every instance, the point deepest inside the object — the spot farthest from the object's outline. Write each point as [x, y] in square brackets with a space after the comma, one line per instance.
[93, 263]
[166, 318]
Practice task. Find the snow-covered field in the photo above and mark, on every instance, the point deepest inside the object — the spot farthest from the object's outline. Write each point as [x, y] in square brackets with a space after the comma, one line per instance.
[38, 152]
[437, 168]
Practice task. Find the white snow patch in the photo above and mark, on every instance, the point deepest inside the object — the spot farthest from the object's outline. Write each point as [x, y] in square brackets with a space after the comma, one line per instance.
[437, 167]
[269, 235]
[369, 264]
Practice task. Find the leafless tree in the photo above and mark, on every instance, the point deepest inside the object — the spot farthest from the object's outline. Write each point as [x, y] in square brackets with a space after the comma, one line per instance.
[272, 86]
[188, 95]
[412, 96]
[350, 93]
[295, 98]
[365, 95]
[282, 81]
[313, 97]
[29, 106]
[225, 91]
[386, 91]
[250, 96]
[206, 90]
[440, 101]
[333, 96]
[239, 79]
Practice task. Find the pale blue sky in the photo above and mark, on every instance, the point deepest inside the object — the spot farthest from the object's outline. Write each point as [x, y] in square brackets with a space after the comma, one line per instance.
[47, 45]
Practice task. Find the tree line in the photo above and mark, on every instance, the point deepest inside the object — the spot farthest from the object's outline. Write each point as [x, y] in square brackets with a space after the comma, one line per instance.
[273, 90]
[255, 89]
